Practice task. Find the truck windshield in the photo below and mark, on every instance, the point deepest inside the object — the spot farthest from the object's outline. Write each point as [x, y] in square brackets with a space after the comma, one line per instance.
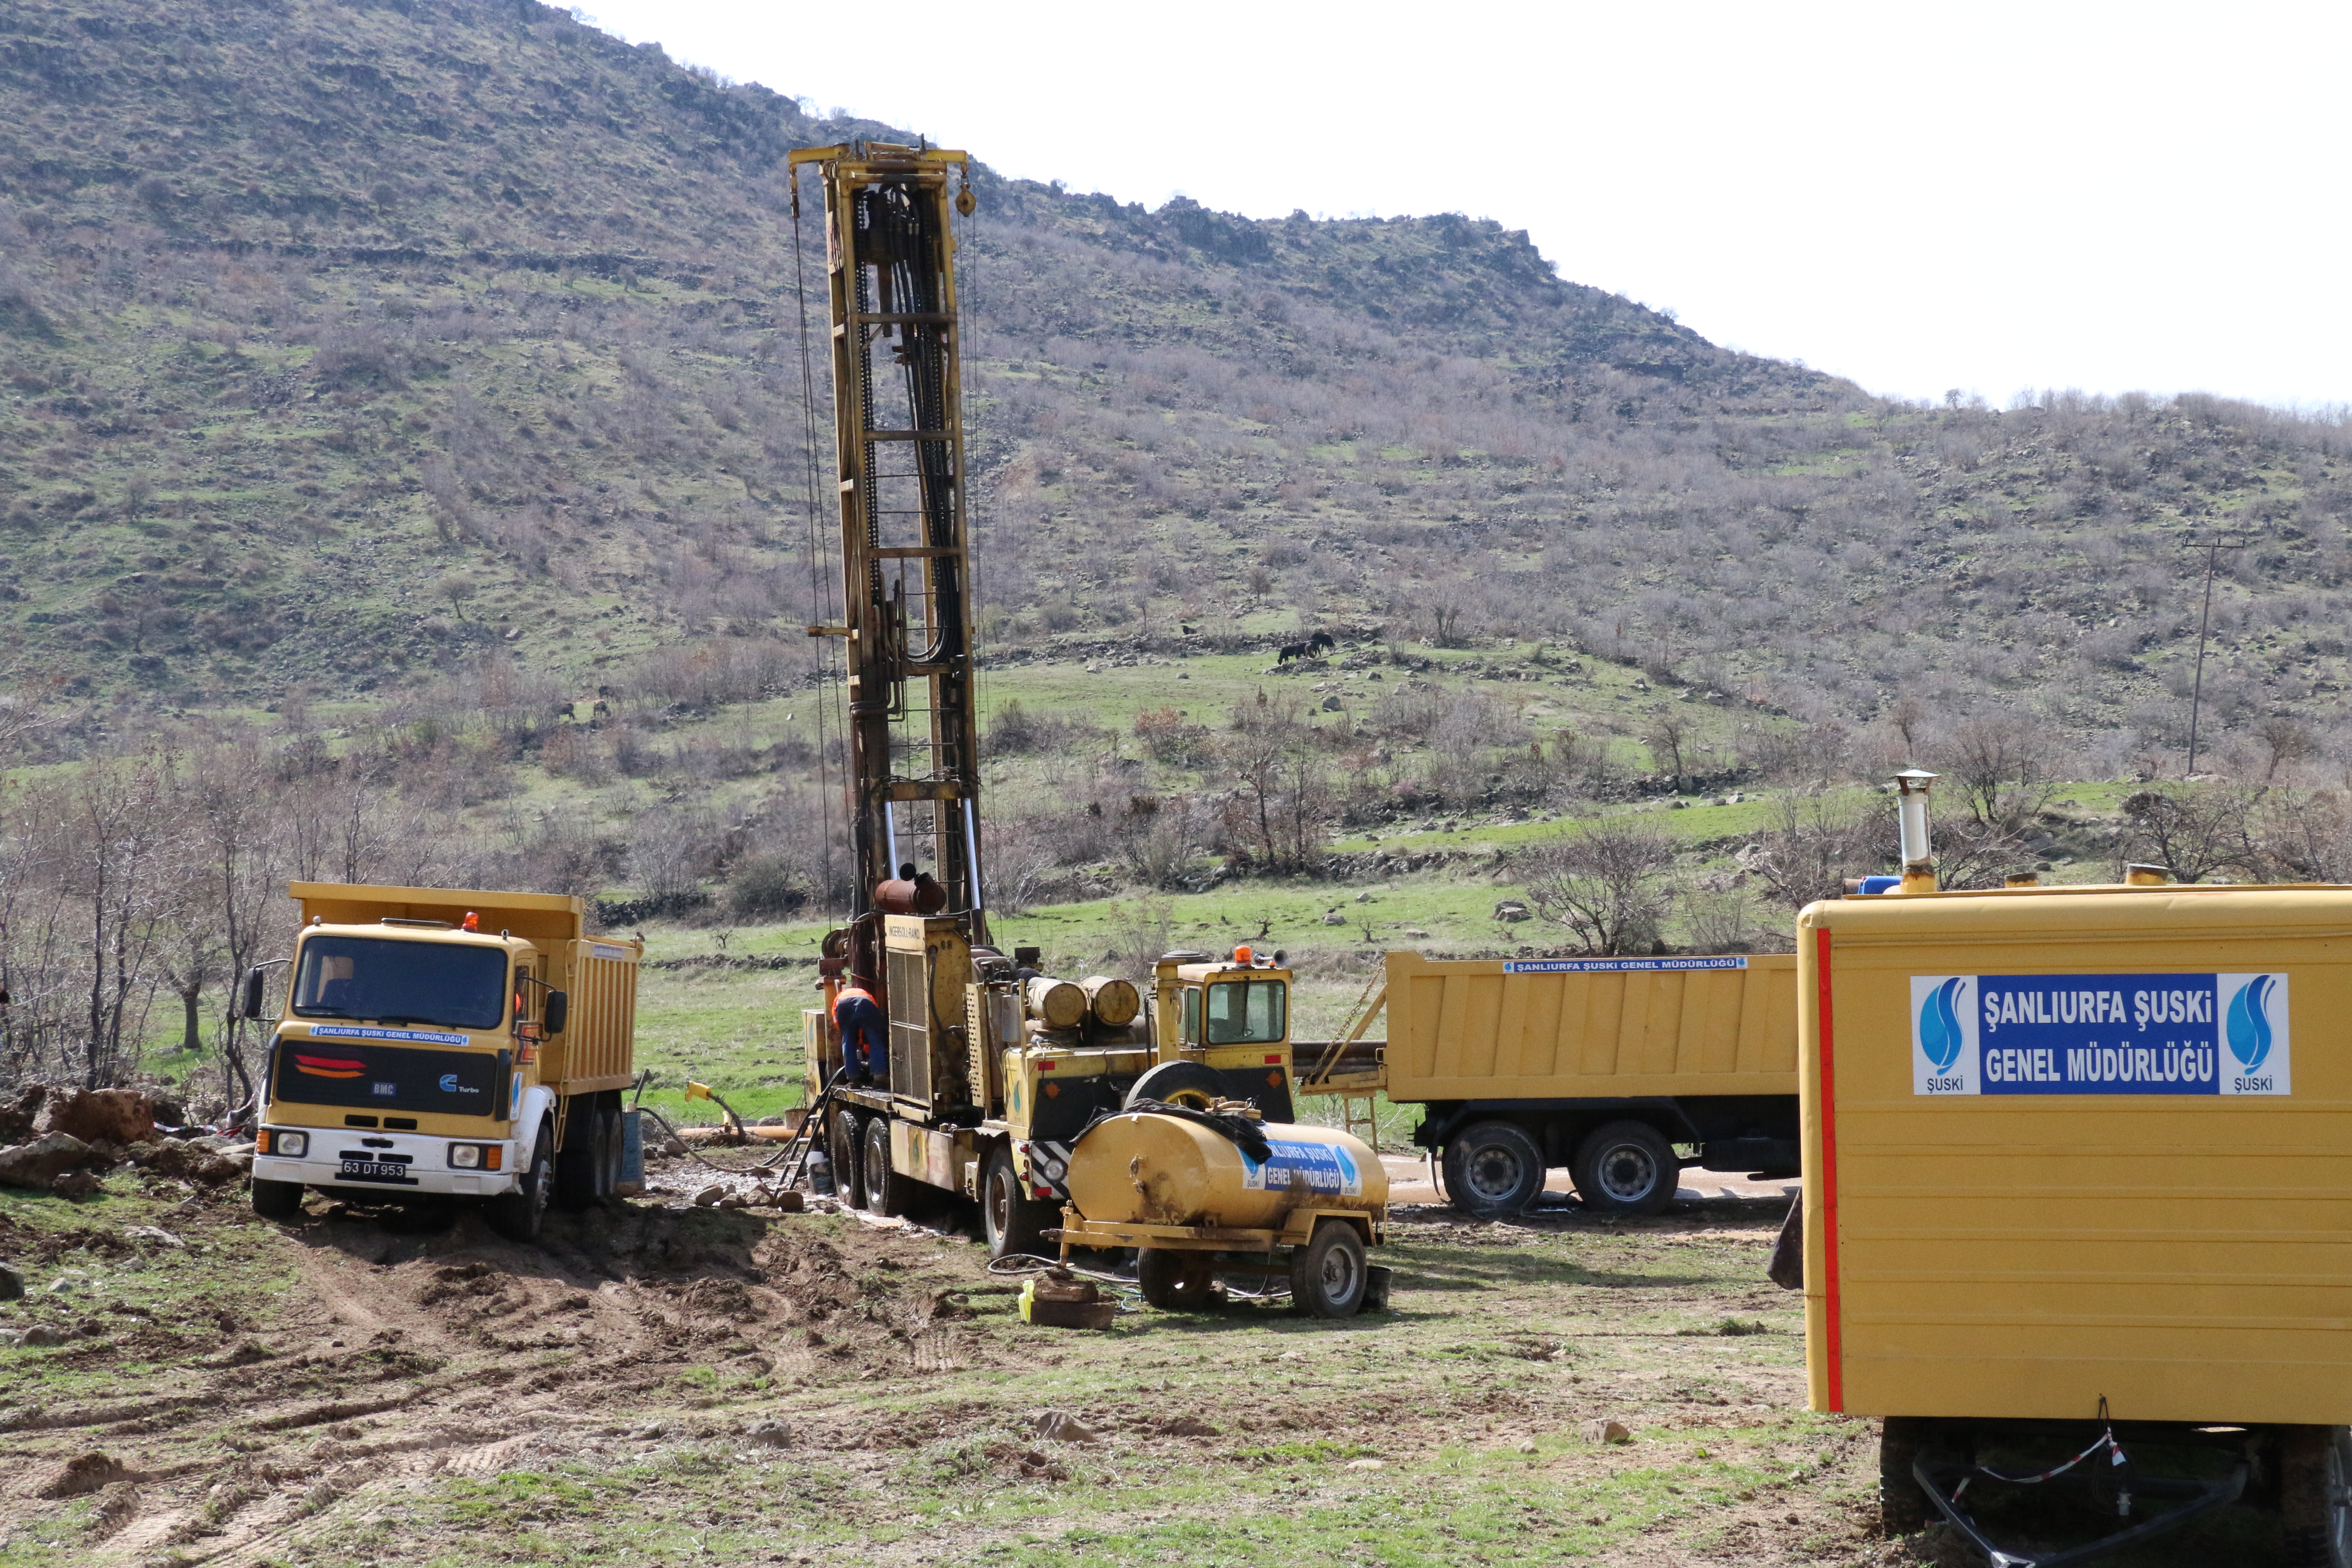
[389, 981]
[1248, 1012]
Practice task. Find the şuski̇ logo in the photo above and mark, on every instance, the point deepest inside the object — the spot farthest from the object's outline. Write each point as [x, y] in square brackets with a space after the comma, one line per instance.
[1940, 1025]
[2248, 1023]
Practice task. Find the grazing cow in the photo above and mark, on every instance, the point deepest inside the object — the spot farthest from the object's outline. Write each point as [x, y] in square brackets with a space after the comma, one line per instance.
[1289, 651]
[1321, 642]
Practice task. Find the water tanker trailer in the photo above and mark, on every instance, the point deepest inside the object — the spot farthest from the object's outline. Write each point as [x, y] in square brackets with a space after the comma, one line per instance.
[1201, 1193]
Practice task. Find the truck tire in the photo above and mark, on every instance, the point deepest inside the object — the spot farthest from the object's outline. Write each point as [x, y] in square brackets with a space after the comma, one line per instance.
[1327, 1274]
[1014, 1222]
[519, 1215]
[277, 1200]
[1626, 1167]
[1180, 1083]
[608, 1150]
[581, 1159]
[1492, 1170]
[844, 1145]
[2316, 1496]
[887, 1192]
[1176, 1281]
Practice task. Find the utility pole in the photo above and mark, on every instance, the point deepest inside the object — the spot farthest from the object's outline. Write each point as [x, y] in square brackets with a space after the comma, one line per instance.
[2212, 545]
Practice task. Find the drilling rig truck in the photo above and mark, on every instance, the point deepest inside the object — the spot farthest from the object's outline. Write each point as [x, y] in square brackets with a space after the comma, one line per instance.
[1005, 1085]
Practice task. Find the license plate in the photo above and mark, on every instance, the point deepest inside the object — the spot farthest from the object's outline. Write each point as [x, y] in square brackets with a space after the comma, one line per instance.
[375, 1171]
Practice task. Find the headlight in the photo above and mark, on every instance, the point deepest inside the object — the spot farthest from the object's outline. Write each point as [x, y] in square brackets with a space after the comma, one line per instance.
[465, 1156]
[1055, 1170]
[292, 1146]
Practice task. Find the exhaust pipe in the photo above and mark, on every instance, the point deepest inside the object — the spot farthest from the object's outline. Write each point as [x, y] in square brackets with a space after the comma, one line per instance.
[1911, 812]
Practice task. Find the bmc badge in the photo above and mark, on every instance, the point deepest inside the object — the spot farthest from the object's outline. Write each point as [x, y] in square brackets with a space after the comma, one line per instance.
[1943, 1034]
[2100, 1034]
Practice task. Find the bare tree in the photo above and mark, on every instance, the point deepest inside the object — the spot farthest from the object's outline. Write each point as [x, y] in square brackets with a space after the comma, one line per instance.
[2193, 831]
[1817, 841]
[1610, 885]
[2003, 767]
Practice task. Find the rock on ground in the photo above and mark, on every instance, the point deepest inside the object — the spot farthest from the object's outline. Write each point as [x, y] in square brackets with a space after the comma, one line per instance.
[98, 1115]
[39, 1164]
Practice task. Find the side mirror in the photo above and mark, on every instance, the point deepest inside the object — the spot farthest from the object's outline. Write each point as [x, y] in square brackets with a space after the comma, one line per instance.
[558, 1007]
[249, 1004]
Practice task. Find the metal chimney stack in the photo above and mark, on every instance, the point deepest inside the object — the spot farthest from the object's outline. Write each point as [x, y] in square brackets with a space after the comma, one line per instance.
[1911, 811]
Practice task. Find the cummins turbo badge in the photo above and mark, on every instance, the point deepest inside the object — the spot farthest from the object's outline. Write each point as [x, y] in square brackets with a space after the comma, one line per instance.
[2099, 1034]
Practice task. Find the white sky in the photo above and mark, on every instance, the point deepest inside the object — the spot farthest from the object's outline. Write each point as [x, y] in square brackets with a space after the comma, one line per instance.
[1993, 196]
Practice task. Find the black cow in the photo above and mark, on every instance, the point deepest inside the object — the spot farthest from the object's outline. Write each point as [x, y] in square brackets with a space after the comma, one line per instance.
[1321, 642]
[1289, 651]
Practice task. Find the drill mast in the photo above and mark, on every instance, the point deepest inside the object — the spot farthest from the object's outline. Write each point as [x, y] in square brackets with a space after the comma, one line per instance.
[914, 745]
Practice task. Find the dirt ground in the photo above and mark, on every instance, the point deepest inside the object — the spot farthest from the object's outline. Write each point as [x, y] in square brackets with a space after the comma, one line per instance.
[668, 1383]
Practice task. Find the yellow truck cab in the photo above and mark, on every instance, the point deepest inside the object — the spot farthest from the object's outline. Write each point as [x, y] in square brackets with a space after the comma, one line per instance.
[1228, 1019]
[438, 1043]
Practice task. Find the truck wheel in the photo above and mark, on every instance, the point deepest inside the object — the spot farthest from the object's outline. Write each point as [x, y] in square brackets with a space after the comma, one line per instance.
[1626, 1167]
[519, 1215]
[277, 1200]
[1327, 1275]
[844, 1145]
[2316, 1496]
[1492, 1170]
[887, 1192]
[581, 1156]
[1015, 1221]
[1180, 1083]
[1176, 1281]
[608, 1150]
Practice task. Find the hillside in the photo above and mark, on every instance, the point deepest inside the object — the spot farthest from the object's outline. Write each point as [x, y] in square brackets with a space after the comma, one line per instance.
[345, 344]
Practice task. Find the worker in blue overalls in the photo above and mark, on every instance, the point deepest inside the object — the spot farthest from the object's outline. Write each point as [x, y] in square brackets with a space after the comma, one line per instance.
[864, 1034]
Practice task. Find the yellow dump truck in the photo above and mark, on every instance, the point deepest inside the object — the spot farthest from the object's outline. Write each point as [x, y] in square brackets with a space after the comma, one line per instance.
[1606, 1066]
[2076, 1165]
[438, 1043]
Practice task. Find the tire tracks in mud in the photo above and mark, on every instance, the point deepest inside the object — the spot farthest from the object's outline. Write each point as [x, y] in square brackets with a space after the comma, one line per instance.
[403, 1356]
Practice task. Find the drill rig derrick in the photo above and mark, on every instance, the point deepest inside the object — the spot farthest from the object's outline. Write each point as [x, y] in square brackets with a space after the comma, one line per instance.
[914, 756]
[913, 774]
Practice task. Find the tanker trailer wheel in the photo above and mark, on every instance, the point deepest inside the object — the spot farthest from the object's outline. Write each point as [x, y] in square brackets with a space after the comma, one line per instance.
[1626, 1167]
[887, 1192]
[277, 1200]
[2315, 1495]
[1015, 1221]
[1492, 1170]
[519, 1214]
[1190, 1084]
[1327, 1274]
[1176, 1281]
[844, 1145]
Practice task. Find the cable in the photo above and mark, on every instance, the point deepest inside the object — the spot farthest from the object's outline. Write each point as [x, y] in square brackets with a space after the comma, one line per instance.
[816, 589]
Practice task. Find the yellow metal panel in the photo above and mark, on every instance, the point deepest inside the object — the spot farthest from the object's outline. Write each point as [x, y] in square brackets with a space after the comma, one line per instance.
[2023, 1252]
[1463, 1029]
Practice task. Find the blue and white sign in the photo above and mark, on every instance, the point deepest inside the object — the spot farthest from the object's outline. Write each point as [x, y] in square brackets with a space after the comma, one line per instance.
[2100, 1034]
[1615, 966]
[1316, 1167]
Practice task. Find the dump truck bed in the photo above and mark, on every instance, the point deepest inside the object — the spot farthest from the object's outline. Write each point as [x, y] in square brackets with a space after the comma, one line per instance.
[2067, 1146]
[1545, 1029]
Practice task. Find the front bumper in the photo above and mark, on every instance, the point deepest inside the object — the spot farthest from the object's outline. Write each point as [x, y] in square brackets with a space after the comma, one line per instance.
[426, 1169]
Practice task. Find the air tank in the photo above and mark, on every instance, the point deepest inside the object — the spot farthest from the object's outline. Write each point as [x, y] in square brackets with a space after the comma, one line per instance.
[1147, 1168]
[1114, 1002]
[1057, 1003]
